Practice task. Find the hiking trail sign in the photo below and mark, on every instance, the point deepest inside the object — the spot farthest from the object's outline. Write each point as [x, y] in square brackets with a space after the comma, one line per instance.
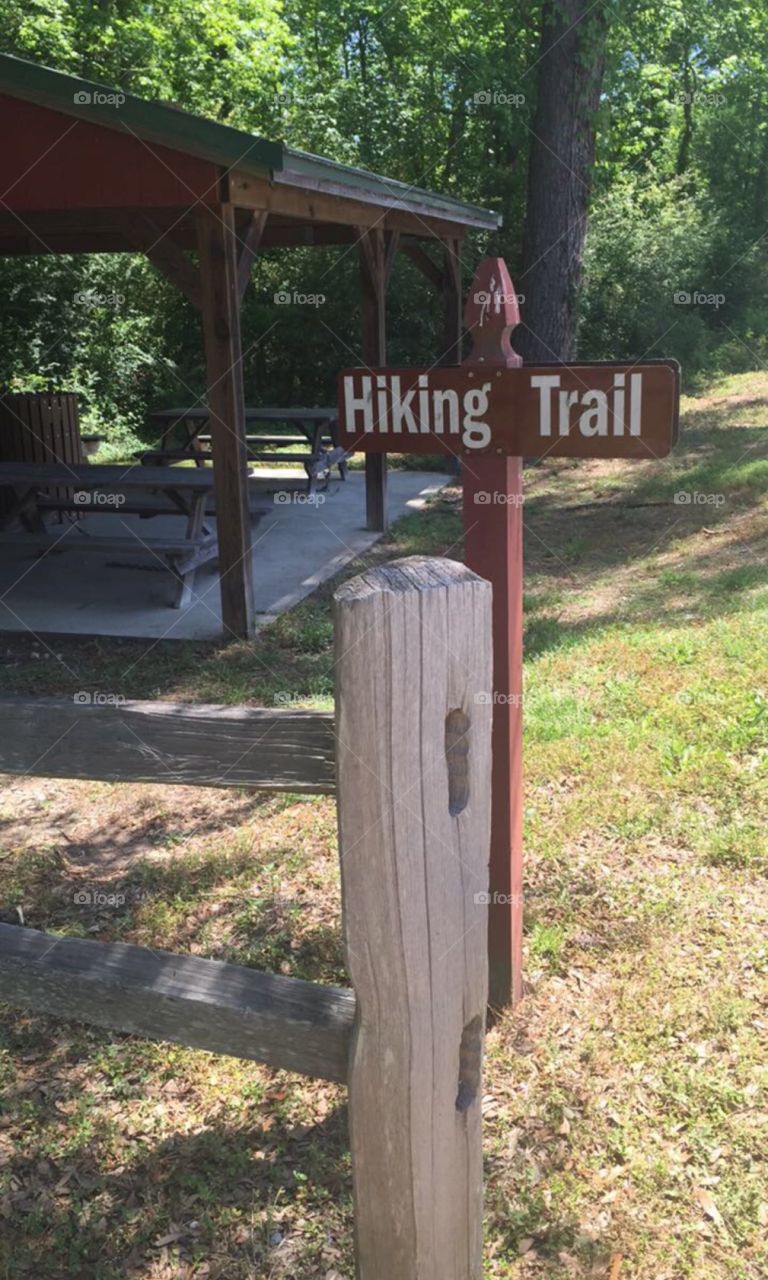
[573, 411]
[492, 413]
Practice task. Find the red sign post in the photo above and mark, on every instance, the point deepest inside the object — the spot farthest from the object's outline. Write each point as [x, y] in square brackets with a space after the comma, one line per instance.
[493, 547]
[493, 412]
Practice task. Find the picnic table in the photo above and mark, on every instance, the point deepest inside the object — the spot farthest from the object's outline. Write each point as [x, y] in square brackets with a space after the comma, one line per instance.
[319, 428]
[41, 488]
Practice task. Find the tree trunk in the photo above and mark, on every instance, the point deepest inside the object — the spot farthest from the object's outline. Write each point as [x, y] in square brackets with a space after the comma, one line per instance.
[570, 75]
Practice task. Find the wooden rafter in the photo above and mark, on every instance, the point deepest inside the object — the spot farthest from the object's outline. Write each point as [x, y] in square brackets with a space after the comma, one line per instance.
[167, 257]
[421, 259]
[249, 246]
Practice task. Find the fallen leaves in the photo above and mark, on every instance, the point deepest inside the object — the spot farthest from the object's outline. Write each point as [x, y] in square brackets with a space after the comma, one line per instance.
[706, 1201]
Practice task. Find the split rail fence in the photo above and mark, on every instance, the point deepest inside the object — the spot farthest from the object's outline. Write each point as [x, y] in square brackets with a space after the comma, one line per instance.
[408, 756]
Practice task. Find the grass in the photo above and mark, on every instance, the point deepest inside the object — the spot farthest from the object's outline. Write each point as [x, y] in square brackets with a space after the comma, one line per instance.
[626, 1114]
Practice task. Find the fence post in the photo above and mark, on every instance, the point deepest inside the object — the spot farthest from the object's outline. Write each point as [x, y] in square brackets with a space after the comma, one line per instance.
[413, 663]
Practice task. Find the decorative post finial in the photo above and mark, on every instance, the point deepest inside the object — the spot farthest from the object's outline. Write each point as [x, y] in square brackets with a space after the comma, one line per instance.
[491, 313]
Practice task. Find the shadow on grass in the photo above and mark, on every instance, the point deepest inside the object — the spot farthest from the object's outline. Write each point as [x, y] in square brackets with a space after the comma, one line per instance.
[723, 478]
[233, 1197]
[244, 906]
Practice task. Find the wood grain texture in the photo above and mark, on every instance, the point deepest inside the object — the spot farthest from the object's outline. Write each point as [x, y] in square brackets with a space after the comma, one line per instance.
[218, 251]
[414, 767]
[167, 257]
[493, 547]
[372, 249]
[250, 240]
[204, 746]
[205, 1004]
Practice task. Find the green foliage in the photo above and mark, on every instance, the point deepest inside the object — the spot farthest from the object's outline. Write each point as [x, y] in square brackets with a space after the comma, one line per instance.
[440, 94]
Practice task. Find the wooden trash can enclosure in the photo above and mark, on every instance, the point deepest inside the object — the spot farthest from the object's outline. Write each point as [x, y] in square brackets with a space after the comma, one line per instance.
[411, 746]
[39, 426]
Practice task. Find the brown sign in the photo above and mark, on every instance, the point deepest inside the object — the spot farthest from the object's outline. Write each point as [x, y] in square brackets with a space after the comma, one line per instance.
[561, 411]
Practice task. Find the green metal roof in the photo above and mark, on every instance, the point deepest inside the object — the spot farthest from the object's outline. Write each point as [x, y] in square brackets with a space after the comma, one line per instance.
[231, 148]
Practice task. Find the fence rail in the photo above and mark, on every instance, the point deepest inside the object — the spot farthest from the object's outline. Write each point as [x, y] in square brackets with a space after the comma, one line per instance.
[171, 742]
[205, 1004]
[413, 741]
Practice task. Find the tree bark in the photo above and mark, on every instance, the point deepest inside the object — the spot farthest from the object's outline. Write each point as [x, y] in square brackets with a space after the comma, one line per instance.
[570, 76]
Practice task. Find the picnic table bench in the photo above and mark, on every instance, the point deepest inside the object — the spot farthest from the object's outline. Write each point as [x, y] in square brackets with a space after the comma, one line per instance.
[319, 427]
[117, 491]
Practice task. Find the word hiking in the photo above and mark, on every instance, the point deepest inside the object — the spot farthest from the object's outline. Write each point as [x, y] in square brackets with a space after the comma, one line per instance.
[421, 410]
[578, 410]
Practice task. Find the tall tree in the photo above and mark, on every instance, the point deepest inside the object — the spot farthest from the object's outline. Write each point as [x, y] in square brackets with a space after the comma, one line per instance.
[570, 71]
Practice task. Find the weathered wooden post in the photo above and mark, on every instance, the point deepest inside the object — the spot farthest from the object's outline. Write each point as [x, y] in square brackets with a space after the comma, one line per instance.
[414, 775]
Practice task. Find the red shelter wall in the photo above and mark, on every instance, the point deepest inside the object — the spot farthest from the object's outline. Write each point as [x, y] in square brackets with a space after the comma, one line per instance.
[49, 160]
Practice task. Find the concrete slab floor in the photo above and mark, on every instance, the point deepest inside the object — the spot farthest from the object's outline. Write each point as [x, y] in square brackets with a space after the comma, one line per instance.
[297, 545]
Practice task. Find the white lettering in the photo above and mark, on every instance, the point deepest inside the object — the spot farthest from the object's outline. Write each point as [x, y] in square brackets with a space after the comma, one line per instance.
[566, 401]
[618, 405]
[358, 404]
[594, 420]
[402, 410]
[441, 399]
[476, 435]
[635, 402]
[546, 384]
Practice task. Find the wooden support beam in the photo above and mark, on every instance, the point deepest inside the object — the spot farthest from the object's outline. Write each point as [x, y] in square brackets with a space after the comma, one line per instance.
[421, 259]
[295, 195]
[391, 246]
[376, 257]
[166, 257]
[249, 244]
[453, 302]
[453, 328]
[205, 1004]
[414, 672]
[217, 243]
[173, 742]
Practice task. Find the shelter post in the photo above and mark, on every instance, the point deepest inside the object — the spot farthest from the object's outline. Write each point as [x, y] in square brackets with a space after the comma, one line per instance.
[452, 302]
[376, 250]
[220, 293]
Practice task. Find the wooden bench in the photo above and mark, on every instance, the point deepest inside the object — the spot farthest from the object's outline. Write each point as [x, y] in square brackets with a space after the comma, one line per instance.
[130, 490]
[319, 427]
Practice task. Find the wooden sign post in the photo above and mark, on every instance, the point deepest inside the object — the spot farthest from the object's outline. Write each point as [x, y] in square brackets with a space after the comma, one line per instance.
[493, 547]
[493, 412]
